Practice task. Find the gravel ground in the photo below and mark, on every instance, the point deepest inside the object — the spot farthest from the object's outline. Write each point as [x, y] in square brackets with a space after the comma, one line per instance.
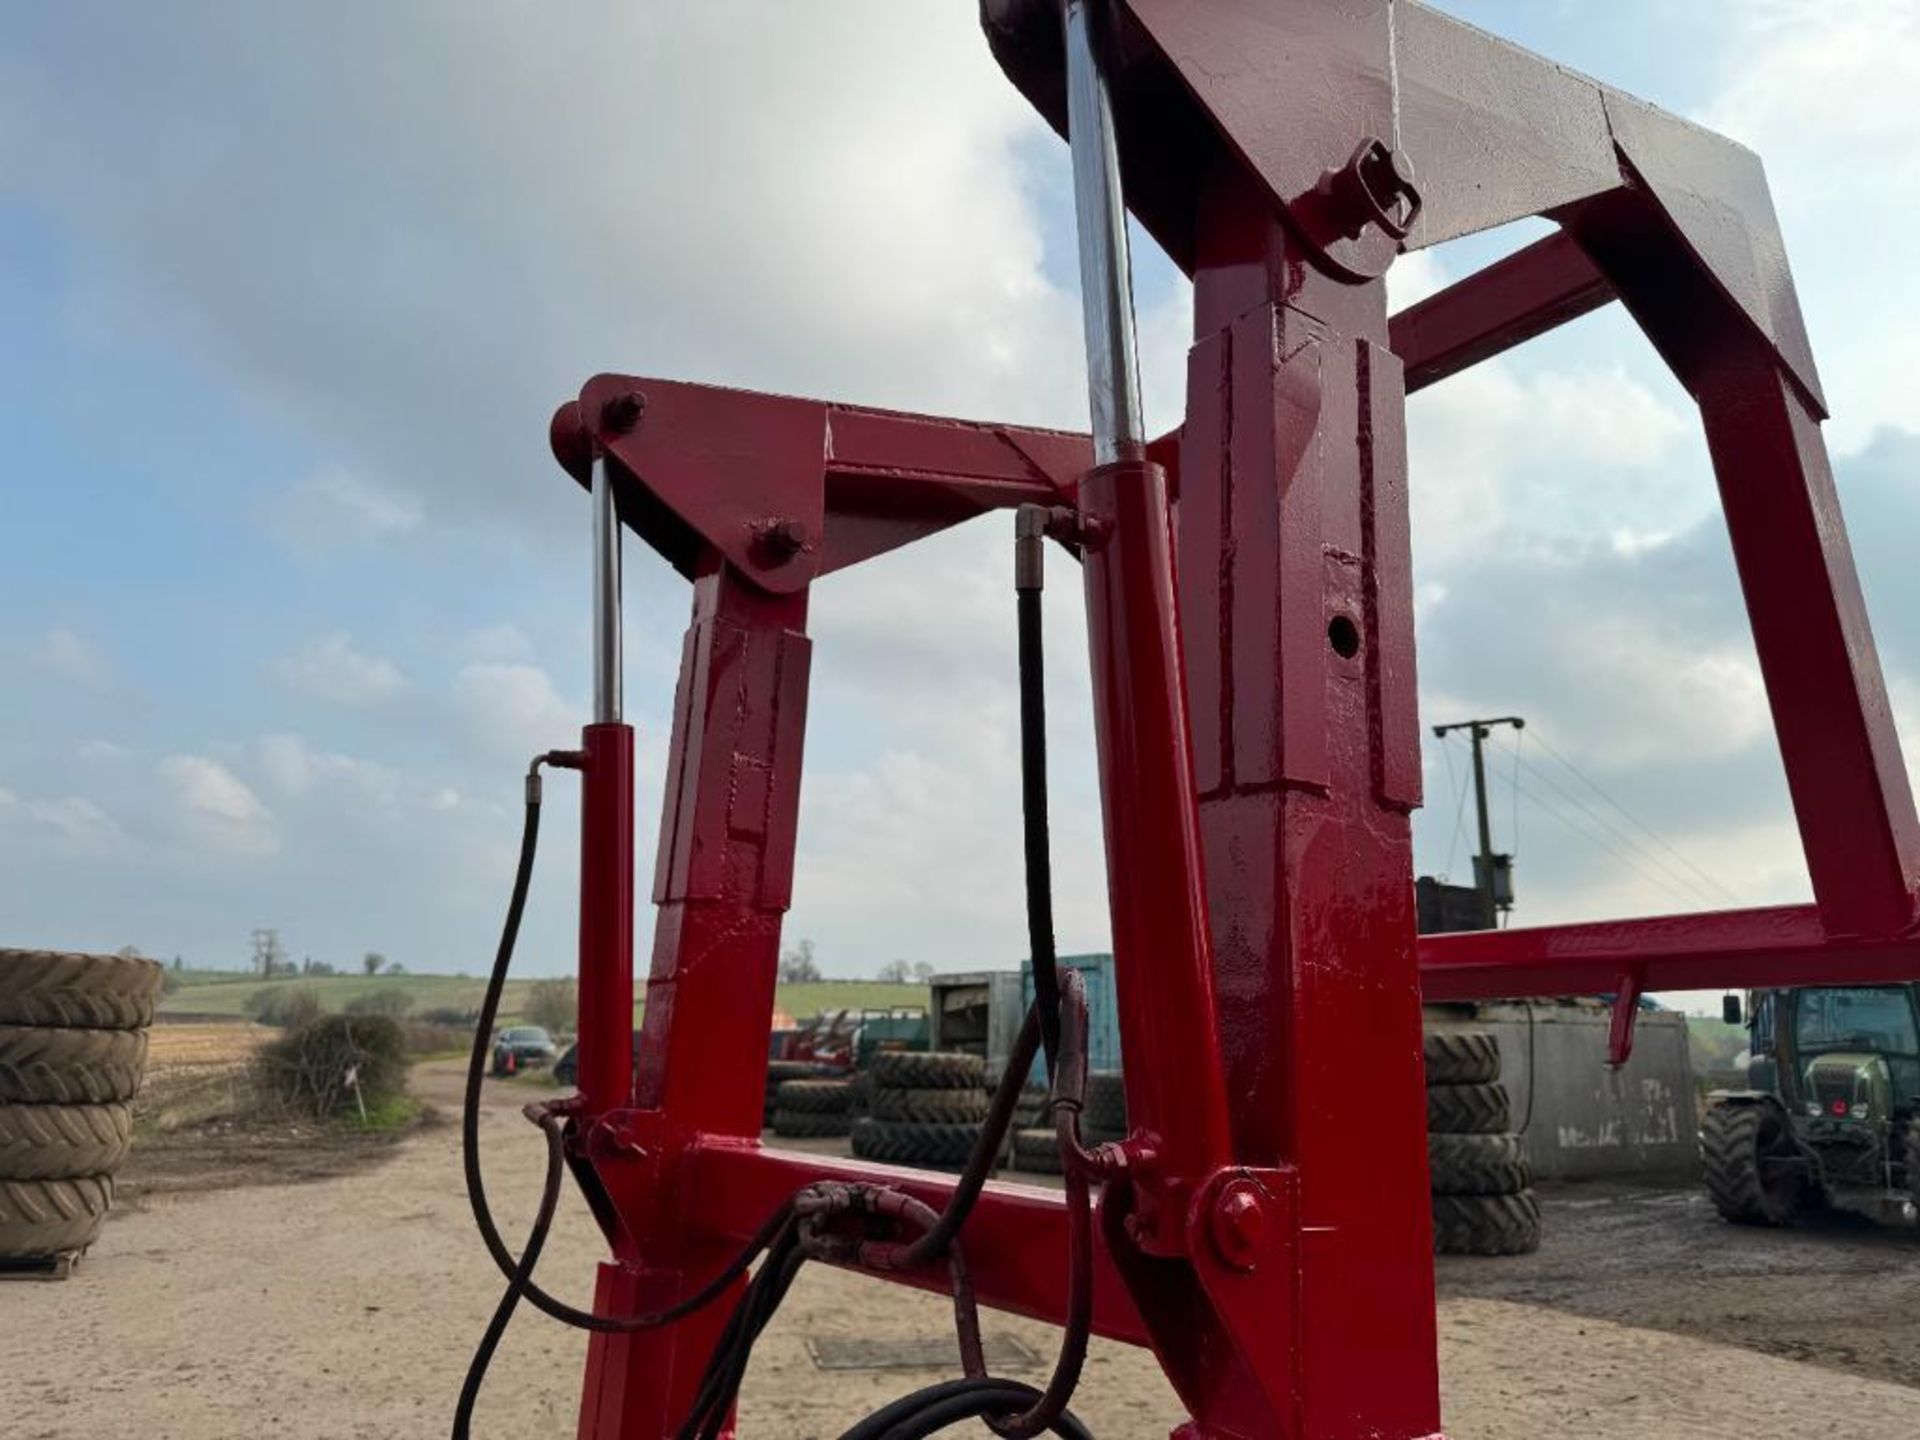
[347, 1308]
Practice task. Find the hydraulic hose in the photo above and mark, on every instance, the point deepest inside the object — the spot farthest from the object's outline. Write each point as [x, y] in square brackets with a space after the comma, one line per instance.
[1033, 811]
[519, 1273]
[1011, 1408]
[470, 1117]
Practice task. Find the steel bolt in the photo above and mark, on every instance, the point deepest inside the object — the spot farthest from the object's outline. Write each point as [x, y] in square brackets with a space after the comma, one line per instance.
[1240, 1224]
[780, 540]
[623, 412]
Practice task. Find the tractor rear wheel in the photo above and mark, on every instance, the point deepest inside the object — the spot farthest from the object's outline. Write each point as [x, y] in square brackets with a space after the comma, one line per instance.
[1486, 1224]
[1478, 1164]
[1753, 1169]
[928, 1070]
[49, 1217]
[1468, 1110]
[1036, 1151]
[62, 1065]
[1460, 1057]
[93, 992]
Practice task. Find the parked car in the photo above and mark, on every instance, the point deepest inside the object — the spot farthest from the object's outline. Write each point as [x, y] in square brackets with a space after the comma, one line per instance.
[567, 1068]
[522, 1047]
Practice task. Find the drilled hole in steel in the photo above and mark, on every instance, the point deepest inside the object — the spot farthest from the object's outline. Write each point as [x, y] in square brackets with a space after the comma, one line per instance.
[1344, 636]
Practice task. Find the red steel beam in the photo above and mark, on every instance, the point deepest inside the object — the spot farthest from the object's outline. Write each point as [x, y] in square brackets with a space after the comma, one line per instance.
[1732, 949]
[1493, 310]
[1016, 1238]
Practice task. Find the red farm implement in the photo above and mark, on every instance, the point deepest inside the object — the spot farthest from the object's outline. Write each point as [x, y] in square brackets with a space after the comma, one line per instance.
[1265, 1229]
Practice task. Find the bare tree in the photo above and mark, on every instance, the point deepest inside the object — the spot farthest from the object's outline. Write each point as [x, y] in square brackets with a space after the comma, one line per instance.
[922, 971]
[895, 972]
[269, 956]
[797, 966]
[372, 961]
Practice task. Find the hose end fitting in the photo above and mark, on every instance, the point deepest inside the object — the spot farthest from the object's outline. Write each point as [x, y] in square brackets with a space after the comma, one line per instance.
[1029, 547]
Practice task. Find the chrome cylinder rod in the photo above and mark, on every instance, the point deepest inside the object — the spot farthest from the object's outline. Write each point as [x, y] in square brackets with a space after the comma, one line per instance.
[1106, 273]
[606, 599]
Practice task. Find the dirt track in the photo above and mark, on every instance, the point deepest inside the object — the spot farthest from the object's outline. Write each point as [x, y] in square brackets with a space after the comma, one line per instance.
[347, 1307]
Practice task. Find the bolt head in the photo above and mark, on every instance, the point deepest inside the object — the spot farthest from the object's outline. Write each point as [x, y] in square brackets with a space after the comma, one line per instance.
[623, 412]
[1241, 1224]
[779, 540]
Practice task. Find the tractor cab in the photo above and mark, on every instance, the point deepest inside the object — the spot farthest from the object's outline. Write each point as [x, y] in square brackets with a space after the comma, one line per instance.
[1832, 1109]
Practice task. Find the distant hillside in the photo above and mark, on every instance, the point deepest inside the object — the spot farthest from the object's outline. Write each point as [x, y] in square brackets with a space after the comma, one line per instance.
[224, 995]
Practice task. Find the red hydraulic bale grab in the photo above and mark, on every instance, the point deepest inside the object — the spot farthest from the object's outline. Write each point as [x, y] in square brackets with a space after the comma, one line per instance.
[1249, 591]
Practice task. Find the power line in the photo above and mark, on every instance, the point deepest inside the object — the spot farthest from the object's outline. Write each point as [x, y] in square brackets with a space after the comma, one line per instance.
[1690, 890]
[1624, 857]
[1725, 890]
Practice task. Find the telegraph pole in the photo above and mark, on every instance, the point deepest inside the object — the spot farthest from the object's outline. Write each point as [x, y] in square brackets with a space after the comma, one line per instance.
[1492, 874]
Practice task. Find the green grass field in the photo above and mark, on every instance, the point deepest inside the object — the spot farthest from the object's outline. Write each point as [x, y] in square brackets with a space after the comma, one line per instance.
[222, 995]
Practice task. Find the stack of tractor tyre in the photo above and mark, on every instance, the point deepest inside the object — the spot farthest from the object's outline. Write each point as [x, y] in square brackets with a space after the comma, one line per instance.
[73, 1050]
[1483, 1201]
[811, 1109]
[1031, 1145]
[1103, 1120]
[926, 1108]
[778, 1073]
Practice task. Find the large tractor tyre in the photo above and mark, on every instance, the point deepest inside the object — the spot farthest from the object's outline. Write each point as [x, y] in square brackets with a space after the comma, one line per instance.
[941, 1107]
[62, 1142]
[1460, 1057]
[1751, 1165]
[903, 1142]
[1913, 1163]
[41, 1218]
[1468, 1110]
[48, 1065]
[1478, 1164]
[927, 1070]
[1106, 1107]
[1036, 1151]
[1486, 1224]
[95, 992]
[1031, 1112]
[810, 1124]
[815, 1097]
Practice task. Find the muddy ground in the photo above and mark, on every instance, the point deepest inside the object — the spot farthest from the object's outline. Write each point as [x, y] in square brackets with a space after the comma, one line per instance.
[346, 1307]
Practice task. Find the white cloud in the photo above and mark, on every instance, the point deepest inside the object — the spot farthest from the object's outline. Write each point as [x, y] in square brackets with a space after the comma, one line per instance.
[1560, 452]
[293, 767]
[505, 641]
[73, 658]
[514, 710]
[334, 509]
[214, 810]
[330, 669]
[69, 826]
[1823, 90]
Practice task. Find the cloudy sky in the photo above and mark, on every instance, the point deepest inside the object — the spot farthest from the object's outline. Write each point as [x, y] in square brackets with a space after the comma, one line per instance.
[292, 588]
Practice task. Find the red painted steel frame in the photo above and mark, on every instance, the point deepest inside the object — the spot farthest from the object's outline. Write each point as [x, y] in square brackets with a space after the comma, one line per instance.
[1255, 698]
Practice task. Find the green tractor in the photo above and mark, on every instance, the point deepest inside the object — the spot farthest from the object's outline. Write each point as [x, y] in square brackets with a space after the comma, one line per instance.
[1832, 1113]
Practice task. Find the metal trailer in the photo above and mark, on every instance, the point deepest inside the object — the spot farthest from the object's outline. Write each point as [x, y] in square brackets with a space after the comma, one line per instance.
[1103, 1009]
[977, 1013]
[1253, 682]
[1579, 1117]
